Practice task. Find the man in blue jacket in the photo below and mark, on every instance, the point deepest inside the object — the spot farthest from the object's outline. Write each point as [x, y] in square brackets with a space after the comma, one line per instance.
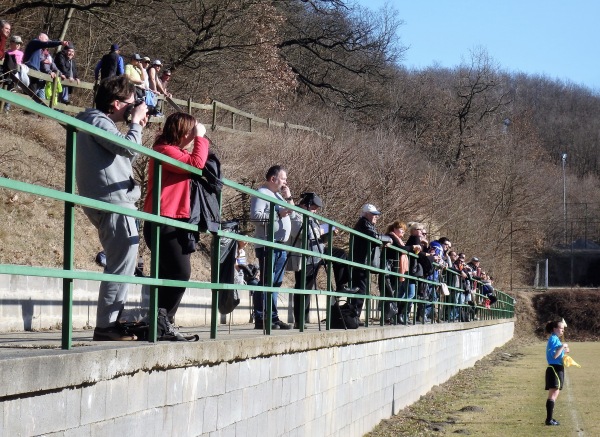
[32, 57]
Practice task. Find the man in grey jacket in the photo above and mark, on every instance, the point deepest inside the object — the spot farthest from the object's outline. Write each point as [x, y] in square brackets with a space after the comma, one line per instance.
[104, 172]
[275, 186]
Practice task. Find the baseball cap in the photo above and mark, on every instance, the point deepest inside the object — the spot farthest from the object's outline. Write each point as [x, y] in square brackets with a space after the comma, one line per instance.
[156, 62]
[16, 39]
[367, 207]
[114, 47]
[146, 59]
[475, 259]
[137, 57]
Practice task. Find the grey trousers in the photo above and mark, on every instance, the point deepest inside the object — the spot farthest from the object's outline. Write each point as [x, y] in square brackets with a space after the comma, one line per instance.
[119, 238]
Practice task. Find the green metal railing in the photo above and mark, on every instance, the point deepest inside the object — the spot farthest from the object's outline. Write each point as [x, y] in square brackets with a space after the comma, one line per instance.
[504, 308]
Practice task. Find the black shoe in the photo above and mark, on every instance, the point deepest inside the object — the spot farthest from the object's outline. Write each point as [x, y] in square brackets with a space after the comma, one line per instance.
[281, 325]
[171, 333]
[259, 325]
[552, 422]
[113, 333]
[297, 326]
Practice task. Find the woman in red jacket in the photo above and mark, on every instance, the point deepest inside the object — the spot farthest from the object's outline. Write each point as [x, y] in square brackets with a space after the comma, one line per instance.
[180, 129]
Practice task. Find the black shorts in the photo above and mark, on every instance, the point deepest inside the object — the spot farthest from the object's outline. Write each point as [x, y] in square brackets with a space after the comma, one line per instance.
[555, 376]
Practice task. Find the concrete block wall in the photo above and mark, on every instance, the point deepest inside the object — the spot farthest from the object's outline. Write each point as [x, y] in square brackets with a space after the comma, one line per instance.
[337, 383]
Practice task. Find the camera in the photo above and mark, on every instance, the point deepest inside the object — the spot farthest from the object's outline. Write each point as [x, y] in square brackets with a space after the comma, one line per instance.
[310, 198]
[151, 109]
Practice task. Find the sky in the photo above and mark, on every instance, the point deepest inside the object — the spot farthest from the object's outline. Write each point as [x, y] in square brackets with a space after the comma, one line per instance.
[556, 39]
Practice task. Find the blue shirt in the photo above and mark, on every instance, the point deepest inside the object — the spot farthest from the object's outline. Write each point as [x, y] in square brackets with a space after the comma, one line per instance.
[553, 344]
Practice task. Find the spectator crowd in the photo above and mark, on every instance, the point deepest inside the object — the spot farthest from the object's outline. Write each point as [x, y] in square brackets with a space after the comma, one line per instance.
[422, 275]
[148, 76]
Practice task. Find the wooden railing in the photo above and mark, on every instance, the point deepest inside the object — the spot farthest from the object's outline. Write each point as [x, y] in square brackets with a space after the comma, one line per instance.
[215, 108]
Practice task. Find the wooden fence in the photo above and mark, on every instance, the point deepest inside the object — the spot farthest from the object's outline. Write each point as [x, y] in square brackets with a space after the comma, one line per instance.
[219, 111]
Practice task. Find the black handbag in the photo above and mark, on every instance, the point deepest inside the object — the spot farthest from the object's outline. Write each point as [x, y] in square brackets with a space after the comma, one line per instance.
[344, 316]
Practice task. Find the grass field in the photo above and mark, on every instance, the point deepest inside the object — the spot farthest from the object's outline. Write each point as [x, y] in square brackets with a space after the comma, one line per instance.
[504, 395]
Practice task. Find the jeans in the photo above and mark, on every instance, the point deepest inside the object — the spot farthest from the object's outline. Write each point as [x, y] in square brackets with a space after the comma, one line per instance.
[64, 97]
[408, 290]
[259, 297]
[433, 297]
[459, 299]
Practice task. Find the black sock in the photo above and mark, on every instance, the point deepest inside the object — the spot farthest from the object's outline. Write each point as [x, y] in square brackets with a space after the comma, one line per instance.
[549, 409]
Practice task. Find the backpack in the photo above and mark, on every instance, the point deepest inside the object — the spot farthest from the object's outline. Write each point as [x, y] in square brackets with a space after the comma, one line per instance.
[110, 62]
[344, 316]
[228, 300]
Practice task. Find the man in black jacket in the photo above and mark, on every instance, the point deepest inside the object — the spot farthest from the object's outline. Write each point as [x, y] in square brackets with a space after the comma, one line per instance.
[360, 250]
[66, 64]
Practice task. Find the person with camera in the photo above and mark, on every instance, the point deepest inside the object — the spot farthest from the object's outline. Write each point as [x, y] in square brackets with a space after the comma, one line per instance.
[275, 186]
[180, 129]
[311, 202]
[104, 172]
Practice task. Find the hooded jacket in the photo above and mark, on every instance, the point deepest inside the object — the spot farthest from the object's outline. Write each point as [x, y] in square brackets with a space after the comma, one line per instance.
[103, 169]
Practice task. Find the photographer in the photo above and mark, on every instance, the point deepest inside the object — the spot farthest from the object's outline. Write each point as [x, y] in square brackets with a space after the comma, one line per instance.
[311, 202]
[179, 130]
[103, 172]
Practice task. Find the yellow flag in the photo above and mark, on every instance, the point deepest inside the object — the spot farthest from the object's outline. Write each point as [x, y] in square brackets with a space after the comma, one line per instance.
[568, 361]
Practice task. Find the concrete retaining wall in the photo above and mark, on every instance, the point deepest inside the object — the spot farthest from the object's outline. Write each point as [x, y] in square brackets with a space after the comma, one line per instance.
[336, 383]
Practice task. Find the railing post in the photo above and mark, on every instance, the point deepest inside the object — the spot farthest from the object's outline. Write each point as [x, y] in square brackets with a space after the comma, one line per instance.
[189, 105]
[301, 311]
[329, 274]
[268, 305]
[215, 276]
[367, 292]
[381, 279]
[233, 120]
[154, 249]
[69, 240]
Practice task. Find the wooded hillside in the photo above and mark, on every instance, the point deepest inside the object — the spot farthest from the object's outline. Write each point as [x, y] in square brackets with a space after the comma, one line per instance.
[474, 152]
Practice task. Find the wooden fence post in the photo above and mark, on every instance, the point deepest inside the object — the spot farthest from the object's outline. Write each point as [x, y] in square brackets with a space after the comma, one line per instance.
[214, 120]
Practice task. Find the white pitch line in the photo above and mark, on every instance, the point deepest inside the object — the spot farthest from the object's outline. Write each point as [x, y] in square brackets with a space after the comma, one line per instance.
[572, 409]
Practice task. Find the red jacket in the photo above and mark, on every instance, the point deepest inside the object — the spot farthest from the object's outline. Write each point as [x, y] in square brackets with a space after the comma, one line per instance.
[175, 193]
